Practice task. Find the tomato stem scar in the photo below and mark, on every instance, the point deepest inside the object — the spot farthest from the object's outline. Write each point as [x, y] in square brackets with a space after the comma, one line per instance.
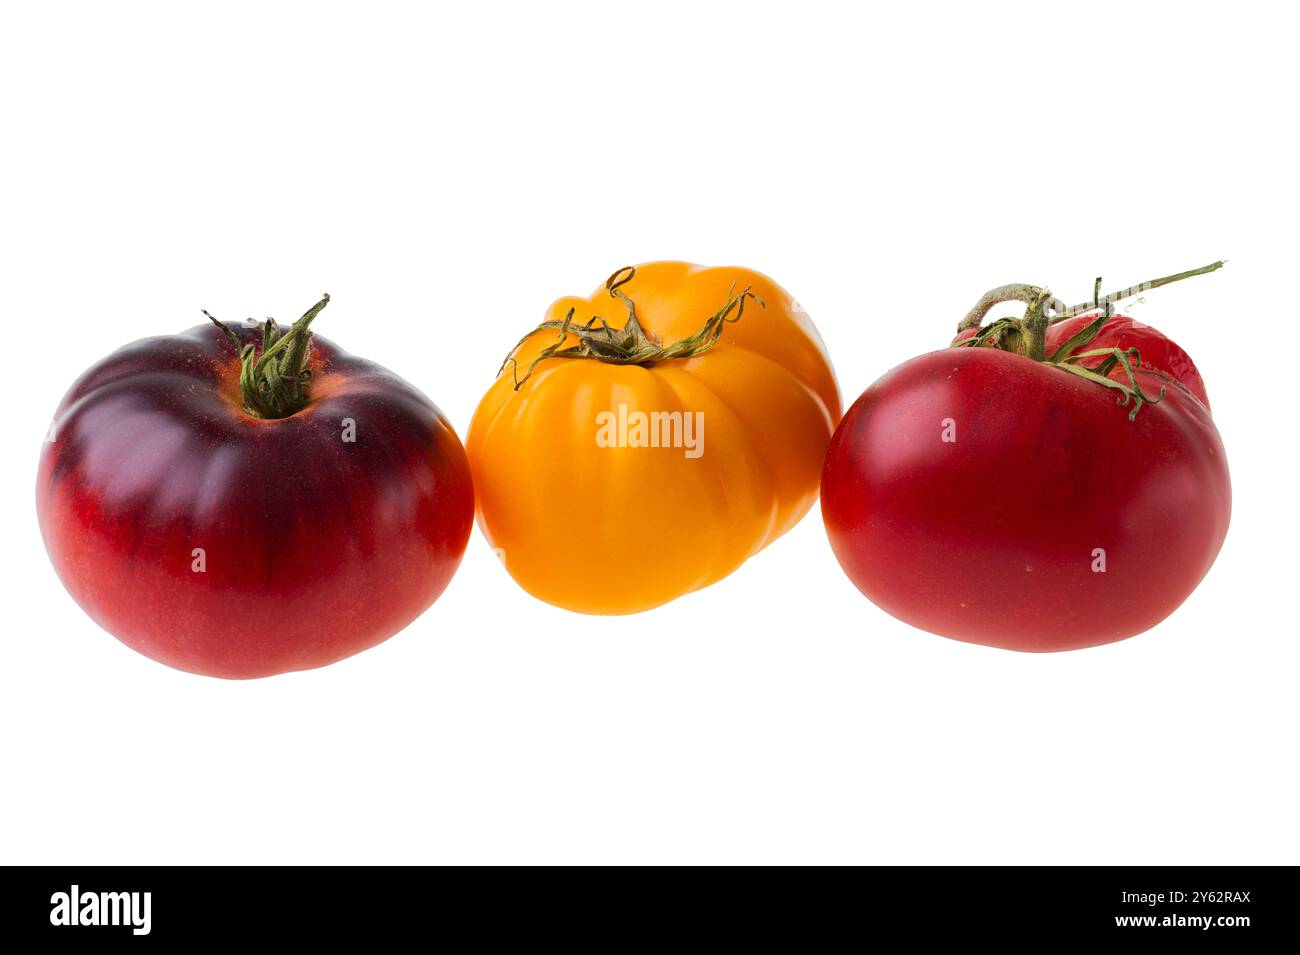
[274, 382]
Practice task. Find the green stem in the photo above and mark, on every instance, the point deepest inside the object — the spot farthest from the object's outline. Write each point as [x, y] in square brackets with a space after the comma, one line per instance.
[1033, 327]
[1028, 335]
[274, 383]
[1104, 300]
[631, 344]
[1057, 310]
[1015, 292]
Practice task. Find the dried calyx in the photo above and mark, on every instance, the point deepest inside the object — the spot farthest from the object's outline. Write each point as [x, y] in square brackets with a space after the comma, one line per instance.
[631, 344]
[1027, 335]
[273, 380]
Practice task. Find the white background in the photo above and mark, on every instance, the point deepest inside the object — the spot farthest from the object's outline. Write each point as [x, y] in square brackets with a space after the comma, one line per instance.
[445, 174]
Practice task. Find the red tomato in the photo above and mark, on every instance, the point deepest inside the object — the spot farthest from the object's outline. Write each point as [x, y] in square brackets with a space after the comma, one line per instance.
[239, 546]
[991, 497]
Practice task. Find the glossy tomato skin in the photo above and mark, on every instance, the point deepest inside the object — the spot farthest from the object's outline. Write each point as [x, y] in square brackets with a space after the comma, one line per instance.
[232, 546]
[994, 536]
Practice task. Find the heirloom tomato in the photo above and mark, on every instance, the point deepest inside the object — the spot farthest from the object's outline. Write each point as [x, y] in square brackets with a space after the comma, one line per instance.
[620, 467]
[243, 502]
[1050, 482]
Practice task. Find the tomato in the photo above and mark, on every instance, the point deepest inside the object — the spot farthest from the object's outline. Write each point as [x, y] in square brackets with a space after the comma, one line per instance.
[990, 494]
[237, 517]
[620, 467]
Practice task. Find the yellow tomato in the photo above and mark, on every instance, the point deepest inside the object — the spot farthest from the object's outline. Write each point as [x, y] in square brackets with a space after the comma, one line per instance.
[643, 442]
